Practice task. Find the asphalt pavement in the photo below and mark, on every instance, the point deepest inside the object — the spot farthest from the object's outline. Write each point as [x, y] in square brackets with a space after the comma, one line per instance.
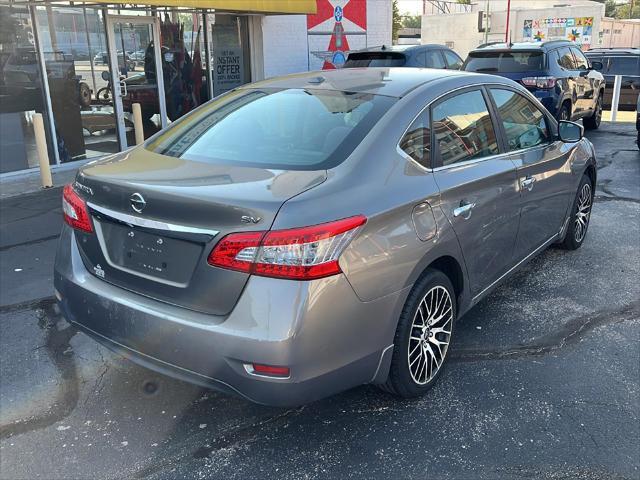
[543, 381]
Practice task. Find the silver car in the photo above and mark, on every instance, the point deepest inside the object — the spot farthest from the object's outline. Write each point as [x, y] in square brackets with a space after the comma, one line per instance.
[306, 234]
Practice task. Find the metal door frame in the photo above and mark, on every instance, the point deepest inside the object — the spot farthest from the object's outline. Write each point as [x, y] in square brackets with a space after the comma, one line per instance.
[111, 20]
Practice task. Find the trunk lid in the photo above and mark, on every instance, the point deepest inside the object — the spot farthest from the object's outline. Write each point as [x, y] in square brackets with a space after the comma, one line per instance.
[157, 218]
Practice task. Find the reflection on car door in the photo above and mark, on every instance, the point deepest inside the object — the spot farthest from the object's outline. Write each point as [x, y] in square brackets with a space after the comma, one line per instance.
[567, 62]
[585, 81]
[478, 185]
[543, 169]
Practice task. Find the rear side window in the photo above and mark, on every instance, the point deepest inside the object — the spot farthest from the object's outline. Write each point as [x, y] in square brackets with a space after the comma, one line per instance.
[453, 61]
[434, 59]
[624, 66]
[417, 141]
[375, 59]
[463, 129]
[565, 58]
[292, 129]
[511, 61]
[524, 124]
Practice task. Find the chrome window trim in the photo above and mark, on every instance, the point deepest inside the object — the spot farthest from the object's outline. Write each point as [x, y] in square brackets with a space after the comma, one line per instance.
[150, 223]
[446, 167]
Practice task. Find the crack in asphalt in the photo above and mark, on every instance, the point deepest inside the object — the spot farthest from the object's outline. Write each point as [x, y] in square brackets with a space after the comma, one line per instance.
[30, 242]
[61, 355]
[572, 331]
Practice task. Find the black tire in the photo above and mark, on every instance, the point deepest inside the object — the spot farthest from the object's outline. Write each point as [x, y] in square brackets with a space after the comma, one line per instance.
[565, 112]
[593, 122]
[402, 376]
[575, 235]
[104, 94]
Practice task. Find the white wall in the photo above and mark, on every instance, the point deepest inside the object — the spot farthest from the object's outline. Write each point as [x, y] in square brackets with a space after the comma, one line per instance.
[284, 44]
[379, 15]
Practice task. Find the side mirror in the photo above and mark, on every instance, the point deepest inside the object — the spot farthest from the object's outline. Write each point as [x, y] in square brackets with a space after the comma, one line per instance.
[597, 65]
[570, 132]
[106, 76]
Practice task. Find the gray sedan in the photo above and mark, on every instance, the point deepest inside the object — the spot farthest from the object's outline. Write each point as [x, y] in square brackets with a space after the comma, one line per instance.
[306, 234]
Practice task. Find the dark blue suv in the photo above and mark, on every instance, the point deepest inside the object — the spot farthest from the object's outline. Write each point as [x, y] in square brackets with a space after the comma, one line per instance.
[420, 56]
[556, 72]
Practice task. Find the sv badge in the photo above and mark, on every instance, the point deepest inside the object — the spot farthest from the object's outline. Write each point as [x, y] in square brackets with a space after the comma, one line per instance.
[248, 219]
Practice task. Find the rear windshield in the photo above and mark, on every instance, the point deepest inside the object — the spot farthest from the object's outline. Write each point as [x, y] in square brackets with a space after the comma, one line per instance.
[375, 59]
[512, 62]
[292, 129]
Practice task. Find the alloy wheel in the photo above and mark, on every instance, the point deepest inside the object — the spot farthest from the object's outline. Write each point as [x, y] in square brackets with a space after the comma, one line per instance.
[582, 213]
[430, 335]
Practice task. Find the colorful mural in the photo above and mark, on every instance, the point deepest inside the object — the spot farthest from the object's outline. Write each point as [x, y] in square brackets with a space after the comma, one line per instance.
[338, 27]
[576, 29]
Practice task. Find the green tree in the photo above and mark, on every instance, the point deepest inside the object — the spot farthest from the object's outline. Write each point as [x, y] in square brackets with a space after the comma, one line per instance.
[465, 2]
[626, 11]
[396, 21]
[411, 21]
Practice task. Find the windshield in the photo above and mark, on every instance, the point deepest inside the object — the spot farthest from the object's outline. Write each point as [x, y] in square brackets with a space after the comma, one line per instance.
[294, 129]
[511, 62]
[375, 59]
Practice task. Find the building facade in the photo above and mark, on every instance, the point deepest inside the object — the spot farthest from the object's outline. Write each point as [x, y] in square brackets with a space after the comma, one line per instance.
[580, 21]
[63, 60]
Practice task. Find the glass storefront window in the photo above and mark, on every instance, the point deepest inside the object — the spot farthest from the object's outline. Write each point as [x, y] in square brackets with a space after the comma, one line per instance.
[21, 93]
[230, 52]
[75, 49]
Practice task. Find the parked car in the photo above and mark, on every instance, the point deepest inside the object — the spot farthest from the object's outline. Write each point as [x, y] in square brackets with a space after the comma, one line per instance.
[619, 61]
[638, 120]
[421, 56]
[102, 58]
[286, 261]
[556, 72]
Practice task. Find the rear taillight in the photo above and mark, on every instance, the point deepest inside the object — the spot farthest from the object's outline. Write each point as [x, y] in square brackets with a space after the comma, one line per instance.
[75, 210]
[539, 82]
[298, 253]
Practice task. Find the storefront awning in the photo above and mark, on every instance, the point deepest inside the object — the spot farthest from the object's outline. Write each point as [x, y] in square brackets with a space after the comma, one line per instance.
[258, 6]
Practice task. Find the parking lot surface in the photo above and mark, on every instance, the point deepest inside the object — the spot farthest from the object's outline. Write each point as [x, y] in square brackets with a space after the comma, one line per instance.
[543, 381]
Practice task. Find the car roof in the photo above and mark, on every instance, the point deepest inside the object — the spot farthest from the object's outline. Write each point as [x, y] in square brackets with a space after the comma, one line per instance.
[524, 45]
[390, 81]
[616, 51]
[400, 48]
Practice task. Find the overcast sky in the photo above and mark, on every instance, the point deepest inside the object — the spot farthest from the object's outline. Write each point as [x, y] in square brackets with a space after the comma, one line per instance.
[410, 7]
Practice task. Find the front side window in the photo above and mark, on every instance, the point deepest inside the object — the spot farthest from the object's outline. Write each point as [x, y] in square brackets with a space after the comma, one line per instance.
[463, 128]
[292, 129]
[434, 59]
[581, 60]
[524, 124]
[453, 61]
[417, 141]
[625, 66]
[565, 58]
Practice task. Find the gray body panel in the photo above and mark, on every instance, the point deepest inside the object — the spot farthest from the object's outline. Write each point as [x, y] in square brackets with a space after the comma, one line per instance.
[336, 332]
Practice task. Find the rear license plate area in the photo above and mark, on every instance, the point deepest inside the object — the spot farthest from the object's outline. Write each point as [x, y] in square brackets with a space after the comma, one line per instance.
[148, 253]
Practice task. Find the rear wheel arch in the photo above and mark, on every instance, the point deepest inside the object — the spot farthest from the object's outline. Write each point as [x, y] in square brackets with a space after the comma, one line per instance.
[453, 270]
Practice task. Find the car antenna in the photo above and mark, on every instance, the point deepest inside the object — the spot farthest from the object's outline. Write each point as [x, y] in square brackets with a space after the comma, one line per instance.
[383, 47]
[510, 41]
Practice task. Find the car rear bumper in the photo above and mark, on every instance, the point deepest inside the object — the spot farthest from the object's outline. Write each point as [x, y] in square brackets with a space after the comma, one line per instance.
[330, 340]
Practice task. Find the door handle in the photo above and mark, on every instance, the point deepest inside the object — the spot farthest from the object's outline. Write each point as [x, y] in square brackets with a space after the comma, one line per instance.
[464, 209]
[528, 183]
